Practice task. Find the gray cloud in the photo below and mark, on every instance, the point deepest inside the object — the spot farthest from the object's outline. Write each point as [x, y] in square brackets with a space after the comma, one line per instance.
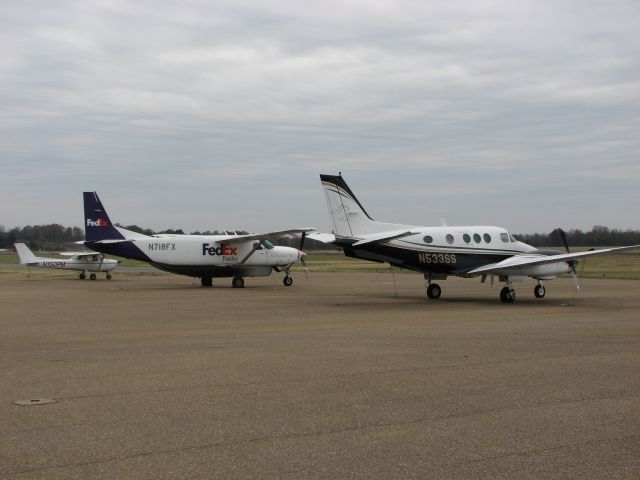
[215, 114]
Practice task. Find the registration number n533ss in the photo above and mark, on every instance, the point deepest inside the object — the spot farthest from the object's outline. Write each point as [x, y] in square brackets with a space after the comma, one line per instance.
[437, 257]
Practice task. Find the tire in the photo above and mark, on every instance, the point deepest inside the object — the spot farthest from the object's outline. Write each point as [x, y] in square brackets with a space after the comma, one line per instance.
[82, 276]
[539, 291]
[237, 282]
[92, 276]
[206, 281]
[288, 281]
[434, 291]
[108, 276]
[507, 295]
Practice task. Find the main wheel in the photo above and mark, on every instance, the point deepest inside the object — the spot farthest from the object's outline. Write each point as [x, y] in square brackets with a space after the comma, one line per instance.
[82, 276]
[507, 295]
[539, 291]
[206, 281]
[434, 291]
[237, 282]
[288, 281]
[108, 276]
[92, 276]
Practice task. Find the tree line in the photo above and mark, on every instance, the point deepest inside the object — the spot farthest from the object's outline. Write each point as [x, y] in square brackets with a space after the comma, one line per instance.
[56, 237]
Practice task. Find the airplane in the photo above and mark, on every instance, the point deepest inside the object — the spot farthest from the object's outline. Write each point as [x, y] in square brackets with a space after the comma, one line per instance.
[438, 252]
[202, 256]
[79, 261]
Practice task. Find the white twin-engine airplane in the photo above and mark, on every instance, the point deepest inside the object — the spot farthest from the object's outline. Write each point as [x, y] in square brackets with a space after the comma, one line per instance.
[442, 251]
[79, 261]
[203, 256]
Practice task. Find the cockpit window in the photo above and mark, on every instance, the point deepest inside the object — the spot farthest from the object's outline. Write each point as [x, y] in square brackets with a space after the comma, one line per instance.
[267, 244]
[512, 238]
[504, 237]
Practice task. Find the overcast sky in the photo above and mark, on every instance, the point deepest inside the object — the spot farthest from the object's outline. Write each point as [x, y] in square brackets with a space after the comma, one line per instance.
[216, 114]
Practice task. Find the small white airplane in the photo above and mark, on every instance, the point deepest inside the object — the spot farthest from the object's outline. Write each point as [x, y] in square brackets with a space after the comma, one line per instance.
[203, 256]
[79, 261]
[438, 252]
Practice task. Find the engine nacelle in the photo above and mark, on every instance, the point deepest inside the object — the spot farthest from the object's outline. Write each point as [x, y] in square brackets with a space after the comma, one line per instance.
[545, 271]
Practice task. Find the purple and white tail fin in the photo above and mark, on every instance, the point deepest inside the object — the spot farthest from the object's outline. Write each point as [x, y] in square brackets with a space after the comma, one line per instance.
[97, 223]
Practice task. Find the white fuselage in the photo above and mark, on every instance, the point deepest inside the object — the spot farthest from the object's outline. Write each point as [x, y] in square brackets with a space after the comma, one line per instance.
[82, 264]
[196, 250]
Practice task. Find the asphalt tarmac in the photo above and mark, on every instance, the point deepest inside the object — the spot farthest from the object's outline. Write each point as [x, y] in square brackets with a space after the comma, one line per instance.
[335, 377]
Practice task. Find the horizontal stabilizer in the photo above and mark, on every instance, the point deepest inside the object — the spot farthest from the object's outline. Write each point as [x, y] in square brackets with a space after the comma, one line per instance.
[384, 236]
[110, 241]
[322, 237]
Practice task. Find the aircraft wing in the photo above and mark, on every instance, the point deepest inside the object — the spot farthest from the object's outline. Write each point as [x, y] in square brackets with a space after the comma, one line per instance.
[384, 236]
[265, 236]
[79, 254]
[519, 261]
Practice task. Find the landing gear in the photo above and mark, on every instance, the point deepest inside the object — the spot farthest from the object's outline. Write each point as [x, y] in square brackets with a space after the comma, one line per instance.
[287, 280]
[539, 291]
[237, 282]
[92, 276]
[507, 295]
[82, 276]
[434, 291]
[206, 281]
[108, 276]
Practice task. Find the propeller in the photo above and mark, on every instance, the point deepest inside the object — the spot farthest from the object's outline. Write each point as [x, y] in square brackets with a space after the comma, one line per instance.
[572, 264]
[302, 254]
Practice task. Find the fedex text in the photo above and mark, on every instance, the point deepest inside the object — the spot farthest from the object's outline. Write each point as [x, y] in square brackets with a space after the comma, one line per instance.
[223, 250]
[101, 222]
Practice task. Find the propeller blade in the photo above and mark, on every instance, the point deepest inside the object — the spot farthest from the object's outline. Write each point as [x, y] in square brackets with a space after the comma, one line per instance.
[564, 240]
[575, 277]
[302, 237]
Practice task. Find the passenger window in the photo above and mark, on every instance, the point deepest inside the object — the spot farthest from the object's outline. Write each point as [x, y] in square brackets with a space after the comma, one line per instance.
[449, 238]
[466, 238]
[487, 237]
[504, 237]
[476, 238]
[428, 239]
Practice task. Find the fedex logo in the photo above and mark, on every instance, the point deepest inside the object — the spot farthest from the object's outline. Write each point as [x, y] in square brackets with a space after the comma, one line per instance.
[97, 223]
[221, 250]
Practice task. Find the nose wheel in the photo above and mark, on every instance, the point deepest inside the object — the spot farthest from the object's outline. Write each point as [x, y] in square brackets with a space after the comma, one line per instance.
[507, 295]
[287, 280]
[206, 281]
[539, 291]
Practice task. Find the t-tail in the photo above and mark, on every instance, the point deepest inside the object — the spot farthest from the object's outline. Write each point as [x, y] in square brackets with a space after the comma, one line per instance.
[348, 217]
[97, 223]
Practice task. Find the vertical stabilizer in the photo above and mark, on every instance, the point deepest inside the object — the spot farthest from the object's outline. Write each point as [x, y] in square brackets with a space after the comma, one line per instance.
[97, 224]
[348, 216]
[25, 254]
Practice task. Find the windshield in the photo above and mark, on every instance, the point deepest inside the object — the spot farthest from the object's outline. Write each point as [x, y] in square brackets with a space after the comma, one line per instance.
[267, 244]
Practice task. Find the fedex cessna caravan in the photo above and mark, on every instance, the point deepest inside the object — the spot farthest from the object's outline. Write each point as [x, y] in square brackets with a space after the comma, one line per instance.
[78, 261]
[438, 252]
[203, 256]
